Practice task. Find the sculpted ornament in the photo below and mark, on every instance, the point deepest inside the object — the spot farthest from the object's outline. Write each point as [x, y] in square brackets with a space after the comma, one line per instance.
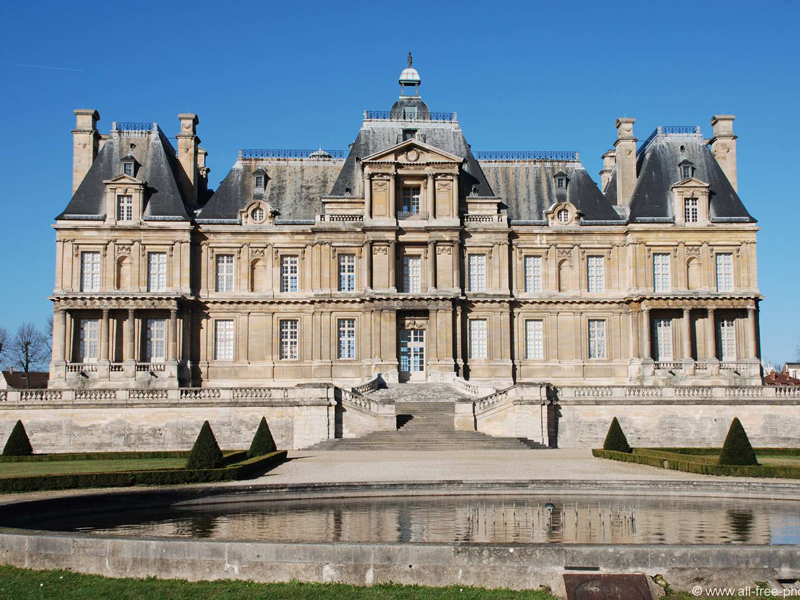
[412, 155]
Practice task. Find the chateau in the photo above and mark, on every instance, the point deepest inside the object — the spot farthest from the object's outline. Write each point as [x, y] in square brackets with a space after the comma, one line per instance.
[408, 255]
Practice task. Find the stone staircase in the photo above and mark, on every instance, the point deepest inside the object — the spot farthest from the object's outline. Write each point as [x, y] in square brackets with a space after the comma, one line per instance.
[425, 414]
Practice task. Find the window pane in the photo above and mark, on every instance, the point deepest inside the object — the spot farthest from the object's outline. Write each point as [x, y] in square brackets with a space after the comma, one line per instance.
[690, 212]
[534, 339]
[124, 208]
[477, 338]
[661, 272]
[289, 340]
[533, 273]
[347, 338]
[726, 339]
[156, 271]
[411, 202]
[724, 272]
[225, 272]
[347, 272]
[663, 337]
[477, 272]
[597, 339]
[411, 274]
[596, 271]
[155, 342]
[289, 273]
[89, 340]
[90, 271]
[223, 339]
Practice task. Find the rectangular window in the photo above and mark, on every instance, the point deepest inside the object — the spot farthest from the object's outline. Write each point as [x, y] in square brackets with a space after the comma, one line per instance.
[690, 210]
[223, 339]
[596, 273]
[724, 272]
[662, 329]
[156, 340]
[347, 338]
[259, 182]
[411, 274]
[124, 208]
[127, 169]
[347, 272]
[224, 272]
[289, 273]
[90, 271]
[687, 171]
[726, 339]
[597, 338]
[534, 339]
[476, 267]
[661, 274]
[477, 338]
[156, 271]
[89, 341]
[289, 340]
[533, 274]
[411, 200]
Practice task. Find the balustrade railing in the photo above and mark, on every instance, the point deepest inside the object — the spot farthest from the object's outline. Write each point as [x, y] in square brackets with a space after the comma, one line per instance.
[291, 153]
[503, 155]
[385, 115]
[668, 365]
[491, 400]
[200, 394]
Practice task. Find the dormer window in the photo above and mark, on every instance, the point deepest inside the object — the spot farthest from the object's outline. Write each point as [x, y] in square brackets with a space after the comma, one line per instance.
[128, 165]
[124, 208]
[409, 134]
[259, 180]
[563, 216]
[687, 169]
[561, 180]
[257, 215]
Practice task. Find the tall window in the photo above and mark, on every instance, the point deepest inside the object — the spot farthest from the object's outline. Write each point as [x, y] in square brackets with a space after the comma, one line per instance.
[476, 268]
[686, 171]
[347, 338]
[726, 339]
[533, 273]
[90, 271]
[224, 272]
[127, 168]
[347, 272]
[663, 338]
[596, 272]
[411, 200]
[411, 274]
[661, 274]
[534, 339]
[223, 339]
[124, 208]
[477, 338]
[724, 272]
[89, 340]
[289, 340]
[156, 271]
[597, 338]
[289, 271]
[690, 210]
[155, 341]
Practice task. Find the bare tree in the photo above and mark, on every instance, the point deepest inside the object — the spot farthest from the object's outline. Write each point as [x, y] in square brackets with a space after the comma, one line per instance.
[28, 350]
[48, 338]
[4, 345]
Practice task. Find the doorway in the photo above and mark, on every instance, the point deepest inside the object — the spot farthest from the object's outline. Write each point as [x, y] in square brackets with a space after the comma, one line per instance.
[412, 355]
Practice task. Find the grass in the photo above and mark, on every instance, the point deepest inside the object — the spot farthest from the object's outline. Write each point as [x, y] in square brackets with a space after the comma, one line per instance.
[25, 584]
[31, 469]
[778, 460]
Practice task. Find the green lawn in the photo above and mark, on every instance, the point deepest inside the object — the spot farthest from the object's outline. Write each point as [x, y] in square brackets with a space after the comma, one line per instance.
[60, 467]
[778, 460]
[24, 584]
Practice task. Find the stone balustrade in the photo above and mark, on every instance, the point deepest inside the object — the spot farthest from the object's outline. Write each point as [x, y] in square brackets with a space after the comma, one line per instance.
[667, 394]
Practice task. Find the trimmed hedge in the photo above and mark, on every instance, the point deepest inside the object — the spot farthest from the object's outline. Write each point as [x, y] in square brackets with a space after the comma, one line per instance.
[205, 453]
[263, 442]
[237, 471]
[716, 451]
[615, 438]
[737, 449]
[18, 443]
[682, 463]
[107, 456]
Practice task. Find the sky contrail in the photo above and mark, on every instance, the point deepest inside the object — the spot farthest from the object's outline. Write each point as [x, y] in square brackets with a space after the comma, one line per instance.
[13, 64]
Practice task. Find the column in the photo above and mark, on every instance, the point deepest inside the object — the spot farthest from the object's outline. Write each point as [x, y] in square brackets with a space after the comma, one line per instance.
[431, 197]
[459, 360]
[457, 266]
[711, 335]
[367, 265]
[687, 333]
[392, 267]
[431, 266]
[455, 197]
[130, 349]
[646, 351]
[59, 333]
[368, 195]
[104, 336]
[173, 335]
[752, 342]
[392, 194]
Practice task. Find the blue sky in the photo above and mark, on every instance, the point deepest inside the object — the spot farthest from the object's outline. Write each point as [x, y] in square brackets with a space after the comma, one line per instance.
[527, 75]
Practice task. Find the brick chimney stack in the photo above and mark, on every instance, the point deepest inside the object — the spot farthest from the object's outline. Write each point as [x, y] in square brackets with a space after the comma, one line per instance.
[723, 146]
[609, 160]
[85, 144]
[188, 144]
[625, 155]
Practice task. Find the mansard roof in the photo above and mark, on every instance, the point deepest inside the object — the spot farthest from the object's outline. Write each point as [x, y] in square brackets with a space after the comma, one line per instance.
[295, 187]
[159, 168]
[658, 163]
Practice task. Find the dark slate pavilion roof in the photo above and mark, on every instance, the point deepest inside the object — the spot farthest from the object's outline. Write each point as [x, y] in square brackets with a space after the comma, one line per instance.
[295, 187]
[657, 165]
[155, 163]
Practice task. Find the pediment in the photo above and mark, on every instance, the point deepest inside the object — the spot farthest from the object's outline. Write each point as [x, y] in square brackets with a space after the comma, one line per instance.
[123, 180]
[692, 182]
[413, 151]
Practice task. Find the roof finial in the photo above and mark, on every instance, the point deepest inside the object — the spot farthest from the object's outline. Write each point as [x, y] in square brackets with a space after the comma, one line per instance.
[409, 60]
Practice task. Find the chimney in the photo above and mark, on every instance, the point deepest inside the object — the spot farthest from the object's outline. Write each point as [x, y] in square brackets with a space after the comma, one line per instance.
[188, 143]
[85, 144]
[609, 160]
[625, 156]
[723, 146]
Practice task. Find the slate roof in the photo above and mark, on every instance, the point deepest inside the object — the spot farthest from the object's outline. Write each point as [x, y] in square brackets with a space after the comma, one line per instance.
[17, 379]
[657, 166]
[157, 165]
[528, 189]
[295, 187]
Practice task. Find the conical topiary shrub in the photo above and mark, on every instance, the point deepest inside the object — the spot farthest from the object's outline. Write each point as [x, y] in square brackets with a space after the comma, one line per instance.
[262, 441]
[615, 439]
[737, 449]
[18, 443]
[205, 453]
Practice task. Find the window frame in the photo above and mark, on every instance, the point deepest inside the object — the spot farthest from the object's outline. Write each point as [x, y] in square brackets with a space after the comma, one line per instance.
[346, 338]
[224, 273]
[153, 343]
[124, 208]
[534, 339]
[724, 275]
[725, 332]
[596, 274]
[598, 339]
[91, 279]
[414, 202]
[290, 273]
[88, 347]
[533, 281]
[347, 272]
[289, 339]
[662, 271]
[476, 272]
[691, 210]
[224, 341]
[408, 280]
[161, 276]
[664, 346]
[476, 336]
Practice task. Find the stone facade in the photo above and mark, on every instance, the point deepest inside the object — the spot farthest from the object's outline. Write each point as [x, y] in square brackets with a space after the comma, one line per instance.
[409, 256]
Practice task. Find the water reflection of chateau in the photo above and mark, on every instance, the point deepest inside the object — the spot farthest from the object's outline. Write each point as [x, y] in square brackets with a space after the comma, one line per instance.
[477, 520]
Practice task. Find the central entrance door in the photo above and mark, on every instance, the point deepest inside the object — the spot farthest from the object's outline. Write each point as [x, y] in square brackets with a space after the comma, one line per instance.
[412, 355]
